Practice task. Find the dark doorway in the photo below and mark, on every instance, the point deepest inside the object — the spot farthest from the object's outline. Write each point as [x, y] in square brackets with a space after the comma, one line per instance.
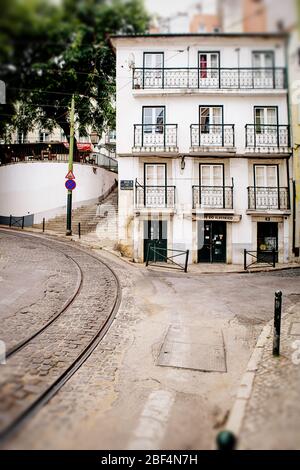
[155, 234]
[211, 242]
[267, 240]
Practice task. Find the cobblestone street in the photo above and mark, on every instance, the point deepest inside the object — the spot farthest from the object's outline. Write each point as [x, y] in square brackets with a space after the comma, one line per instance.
[121, 397]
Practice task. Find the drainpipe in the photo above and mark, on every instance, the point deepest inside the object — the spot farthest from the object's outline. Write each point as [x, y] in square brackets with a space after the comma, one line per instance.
[293, 206]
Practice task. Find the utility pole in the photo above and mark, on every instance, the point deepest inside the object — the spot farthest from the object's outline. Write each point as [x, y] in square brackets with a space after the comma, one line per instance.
[71, 150]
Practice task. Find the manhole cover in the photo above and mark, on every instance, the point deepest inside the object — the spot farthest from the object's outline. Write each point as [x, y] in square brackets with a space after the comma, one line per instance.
[191, 347]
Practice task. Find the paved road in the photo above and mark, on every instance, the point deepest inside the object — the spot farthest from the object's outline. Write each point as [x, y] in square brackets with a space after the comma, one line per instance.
[32, 369]
[121, 397]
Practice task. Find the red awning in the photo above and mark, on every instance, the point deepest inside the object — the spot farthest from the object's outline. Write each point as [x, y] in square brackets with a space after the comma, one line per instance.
[82, 146]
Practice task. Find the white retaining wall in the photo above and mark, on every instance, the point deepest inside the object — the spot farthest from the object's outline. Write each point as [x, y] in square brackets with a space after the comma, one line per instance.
[39, 188]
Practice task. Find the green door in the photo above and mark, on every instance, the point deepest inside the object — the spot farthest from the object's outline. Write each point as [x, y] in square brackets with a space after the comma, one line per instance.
[155, 240]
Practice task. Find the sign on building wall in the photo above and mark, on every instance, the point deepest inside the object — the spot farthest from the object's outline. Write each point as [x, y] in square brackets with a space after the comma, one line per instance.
[126, 184]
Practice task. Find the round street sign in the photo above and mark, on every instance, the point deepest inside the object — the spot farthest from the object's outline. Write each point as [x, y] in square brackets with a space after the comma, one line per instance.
[70, 185]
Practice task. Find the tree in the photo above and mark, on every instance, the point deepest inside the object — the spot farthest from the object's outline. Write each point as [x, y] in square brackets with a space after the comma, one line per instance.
[50, 51]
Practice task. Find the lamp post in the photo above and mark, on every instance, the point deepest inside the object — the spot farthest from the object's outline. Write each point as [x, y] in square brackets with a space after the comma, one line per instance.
[94, 137]
[71, 150]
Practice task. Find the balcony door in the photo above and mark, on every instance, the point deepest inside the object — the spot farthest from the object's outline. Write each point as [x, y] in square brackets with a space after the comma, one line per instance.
[211, 129]
[266, 126]
[155, 185]
[211, 186]
[209, 63]
[153, 126]
[263, 60]
[153, 69]
[266, 186]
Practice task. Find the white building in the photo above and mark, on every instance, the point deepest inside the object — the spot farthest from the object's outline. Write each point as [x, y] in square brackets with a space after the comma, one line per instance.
[203, 145]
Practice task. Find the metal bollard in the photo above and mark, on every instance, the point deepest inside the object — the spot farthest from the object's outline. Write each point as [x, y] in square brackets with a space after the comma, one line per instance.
[10, 220]
[43, 224]
[226, 440]
[79, 230]
[277, 322]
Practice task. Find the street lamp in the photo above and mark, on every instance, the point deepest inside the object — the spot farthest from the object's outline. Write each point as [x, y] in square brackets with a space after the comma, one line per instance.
[94, 137]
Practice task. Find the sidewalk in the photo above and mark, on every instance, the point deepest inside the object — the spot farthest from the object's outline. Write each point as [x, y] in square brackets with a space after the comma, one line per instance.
[266, 414]
[194, 269]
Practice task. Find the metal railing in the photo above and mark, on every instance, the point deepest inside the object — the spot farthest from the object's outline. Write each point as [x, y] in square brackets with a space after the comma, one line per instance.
[160, 255]
[268, 198]
[207, 78]
[258, 258]
[156, 136]
[154, 196]
[212, 135]
[213, 197]
[99, 159]
[267, 135]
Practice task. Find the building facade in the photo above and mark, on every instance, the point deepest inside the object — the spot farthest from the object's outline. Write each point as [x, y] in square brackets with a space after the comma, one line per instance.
[203, 145]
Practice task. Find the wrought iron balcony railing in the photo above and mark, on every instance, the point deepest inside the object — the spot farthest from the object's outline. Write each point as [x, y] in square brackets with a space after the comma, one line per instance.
[205, 78]
[213, 197]
[271, 198]
[212, 135]
[154, 197]
[155, 136]
[267, 135]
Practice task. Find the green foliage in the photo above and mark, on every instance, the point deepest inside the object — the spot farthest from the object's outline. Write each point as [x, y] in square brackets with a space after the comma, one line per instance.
[48, 51]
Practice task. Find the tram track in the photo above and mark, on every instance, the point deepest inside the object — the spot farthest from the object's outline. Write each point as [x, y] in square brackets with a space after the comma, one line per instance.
[48, 388]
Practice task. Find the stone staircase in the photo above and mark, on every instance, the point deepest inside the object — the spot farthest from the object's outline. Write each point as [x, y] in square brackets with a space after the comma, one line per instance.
[98, 221]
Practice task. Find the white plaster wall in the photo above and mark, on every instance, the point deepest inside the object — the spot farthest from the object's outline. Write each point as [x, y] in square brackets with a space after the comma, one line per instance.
[183, 109]
[38, 188]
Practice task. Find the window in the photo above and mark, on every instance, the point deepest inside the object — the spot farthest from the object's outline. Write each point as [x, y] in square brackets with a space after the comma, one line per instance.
[154, 119]
[263, 59]
[21, 137]
[44, 136]
[210, 116]
[266, 176]
[265, 119]
[153, 60]
[208, 64]
[155, 174]
[211, 175]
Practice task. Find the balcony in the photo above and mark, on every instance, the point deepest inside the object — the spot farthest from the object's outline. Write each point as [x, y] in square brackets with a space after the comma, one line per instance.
[268, 199]
[155, 138]
[154, 197]
[269, 138]
[212, 136]
[209, 78]
[212, 197]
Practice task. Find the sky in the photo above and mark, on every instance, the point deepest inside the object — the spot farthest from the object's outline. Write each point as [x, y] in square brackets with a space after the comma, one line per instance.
[169, 7]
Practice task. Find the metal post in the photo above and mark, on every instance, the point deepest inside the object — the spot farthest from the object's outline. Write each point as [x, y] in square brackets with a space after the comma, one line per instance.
[277, 323]
[186, 260]
[147, 258]
[10, 220]
[245, 259]
[23, 218]
[71, 149]
[79, 230]
[273, 258]
[44, 224]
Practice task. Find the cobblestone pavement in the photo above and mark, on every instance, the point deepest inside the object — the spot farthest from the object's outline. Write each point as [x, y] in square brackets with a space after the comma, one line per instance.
[272, 417]
[40, 363]
[35, 282]
[113, 400]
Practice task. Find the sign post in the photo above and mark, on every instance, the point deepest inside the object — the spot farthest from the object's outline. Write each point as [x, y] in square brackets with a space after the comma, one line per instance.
[71, 149]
